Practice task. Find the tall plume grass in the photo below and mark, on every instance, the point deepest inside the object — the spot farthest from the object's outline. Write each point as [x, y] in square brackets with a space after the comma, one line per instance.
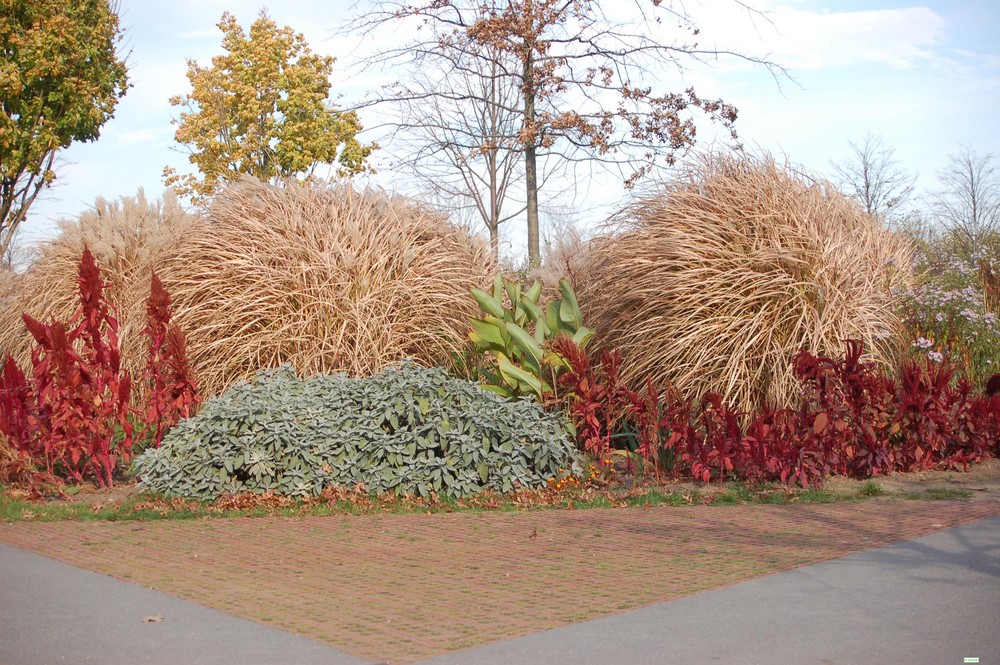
[715, 282]
[324, 277]
[564, 256]
[127, 237]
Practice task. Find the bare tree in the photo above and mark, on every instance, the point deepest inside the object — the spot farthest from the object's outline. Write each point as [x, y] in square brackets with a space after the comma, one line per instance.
[968, 204]
[459, 139]
[874, 178]
[579, 74]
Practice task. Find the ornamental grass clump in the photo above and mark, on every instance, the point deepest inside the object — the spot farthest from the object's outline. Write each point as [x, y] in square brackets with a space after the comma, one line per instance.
[128, 238]
[712, 285]
[324, 277]
[407, 430]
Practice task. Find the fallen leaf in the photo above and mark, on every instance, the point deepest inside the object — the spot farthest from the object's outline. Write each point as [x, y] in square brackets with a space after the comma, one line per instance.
[153, 619]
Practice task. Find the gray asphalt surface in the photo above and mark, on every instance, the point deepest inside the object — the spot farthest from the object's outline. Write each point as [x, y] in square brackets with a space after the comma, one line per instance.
[51, 612]
[930, 601]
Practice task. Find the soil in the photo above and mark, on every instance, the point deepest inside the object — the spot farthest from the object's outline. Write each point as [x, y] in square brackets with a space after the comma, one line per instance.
[982, 480]
[92, 496]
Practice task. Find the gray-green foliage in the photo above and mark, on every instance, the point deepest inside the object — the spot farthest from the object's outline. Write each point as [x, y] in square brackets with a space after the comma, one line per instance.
[407, 430]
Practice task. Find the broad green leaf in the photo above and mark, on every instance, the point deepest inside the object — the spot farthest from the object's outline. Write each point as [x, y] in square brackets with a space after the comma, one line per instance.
[582, 337]
[552, 316]
[513, 291]
[488, 304]
[486, 334]
[569, 309]
[534, 311]
[517, 376]
[533, 293]
[498, 283]
[527, 344]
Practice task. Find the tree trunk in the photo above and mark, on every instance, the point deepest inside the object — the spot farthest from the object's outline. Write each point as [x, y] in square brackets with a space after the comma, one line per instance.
[530, 164]
[530, 177]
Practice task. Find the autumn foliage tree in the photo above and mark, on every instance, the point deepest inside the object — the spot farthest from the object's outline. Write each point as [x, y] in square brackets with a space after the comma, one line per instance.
[582, 76]
[60, 80]
[262, 109]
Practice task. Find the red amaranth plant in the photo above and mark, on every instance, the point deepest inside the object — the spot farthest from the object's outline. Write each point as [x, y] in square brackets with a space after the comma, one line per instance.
[15, 405]
[847, 410]
[852, 420]
[75, 416]
[598, 400]
[939, 423]
[172, 389]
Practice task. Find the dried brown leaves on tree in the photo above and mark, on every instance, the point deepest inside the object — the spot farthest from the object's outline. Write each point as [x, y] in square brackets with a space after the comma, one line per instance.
[582, 77]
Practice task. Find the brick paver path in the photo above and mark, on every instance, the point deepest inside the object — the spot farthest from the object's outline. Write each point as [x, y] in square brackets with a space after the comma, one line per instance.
[399, 588]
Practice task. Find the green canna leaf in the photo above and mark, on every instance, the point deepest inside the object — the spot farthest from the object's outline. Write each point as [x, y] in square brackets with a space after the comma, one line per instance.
[488, 304]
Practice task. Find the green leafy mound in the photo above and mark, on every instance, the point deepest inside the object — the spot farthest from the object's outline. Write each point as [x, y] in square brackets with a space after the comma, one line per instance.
[407, 430]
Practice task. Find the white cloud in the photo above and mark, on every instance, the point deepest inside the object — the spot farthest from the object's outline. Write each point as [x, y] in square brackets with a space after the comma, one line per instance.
[808, 39]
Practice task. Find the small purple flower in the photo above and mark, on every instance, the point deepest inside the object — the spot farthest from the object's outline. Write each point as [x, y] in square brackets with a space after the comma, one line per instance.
[935, 356]
[923, 343]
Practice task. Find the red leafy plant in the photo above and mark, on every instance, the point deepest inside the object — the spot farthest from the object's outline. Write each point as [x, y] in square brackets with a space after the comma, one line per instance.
[74, 417]
[939, 421]
[846, 412]
[598, 400]
[172, 390]
[852, 420]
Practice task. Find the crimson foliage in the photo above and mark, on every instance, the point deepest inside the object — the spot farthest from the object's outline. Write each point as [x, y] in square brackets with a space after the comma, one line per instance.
[172, 388]
[74, 415]
[852, 420]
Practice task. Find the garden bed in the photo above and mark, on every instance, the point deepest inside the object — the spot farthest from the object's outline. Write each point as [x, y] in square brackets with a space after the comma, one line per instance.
[127, 501]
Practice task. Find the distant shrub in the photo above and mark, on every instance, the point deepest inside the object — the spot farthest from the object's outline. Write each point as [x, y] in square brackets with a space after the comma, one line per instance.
[952, 314]
[406, 430]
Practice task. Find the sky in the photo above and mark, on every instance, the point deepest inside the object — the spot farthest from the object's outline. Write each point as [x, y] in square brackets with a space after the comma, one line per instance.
[925, 78]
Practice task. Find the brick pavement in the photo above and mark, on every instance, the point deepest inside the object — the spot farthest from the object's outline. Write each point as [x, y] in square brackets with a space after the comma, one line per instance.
[399, 588]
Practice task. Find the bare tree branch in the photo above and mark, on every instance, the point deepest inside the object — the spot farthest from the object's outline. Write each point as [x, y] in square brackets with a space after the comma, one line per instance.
[874, 178]
[577, 77]
[968, 203]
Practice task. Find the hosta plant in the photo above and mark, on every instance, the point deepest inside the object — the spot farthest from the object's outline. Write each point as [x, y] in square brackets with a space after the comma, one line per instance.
[406, 430]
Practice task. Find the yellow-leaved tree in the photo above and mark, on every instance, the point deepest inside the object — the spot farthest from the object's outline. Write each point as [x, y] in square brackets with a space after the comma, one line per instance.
[60, 79]
[261, 109]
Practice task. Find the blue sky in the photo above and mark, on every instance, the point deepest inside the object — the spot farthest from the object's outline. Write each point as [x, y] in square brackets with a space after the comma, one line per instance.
[923, 77]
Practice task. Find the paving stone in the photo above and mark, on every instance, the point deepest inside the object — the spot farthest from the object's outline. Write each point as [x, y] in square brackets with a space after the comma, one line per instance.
[400, 588]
